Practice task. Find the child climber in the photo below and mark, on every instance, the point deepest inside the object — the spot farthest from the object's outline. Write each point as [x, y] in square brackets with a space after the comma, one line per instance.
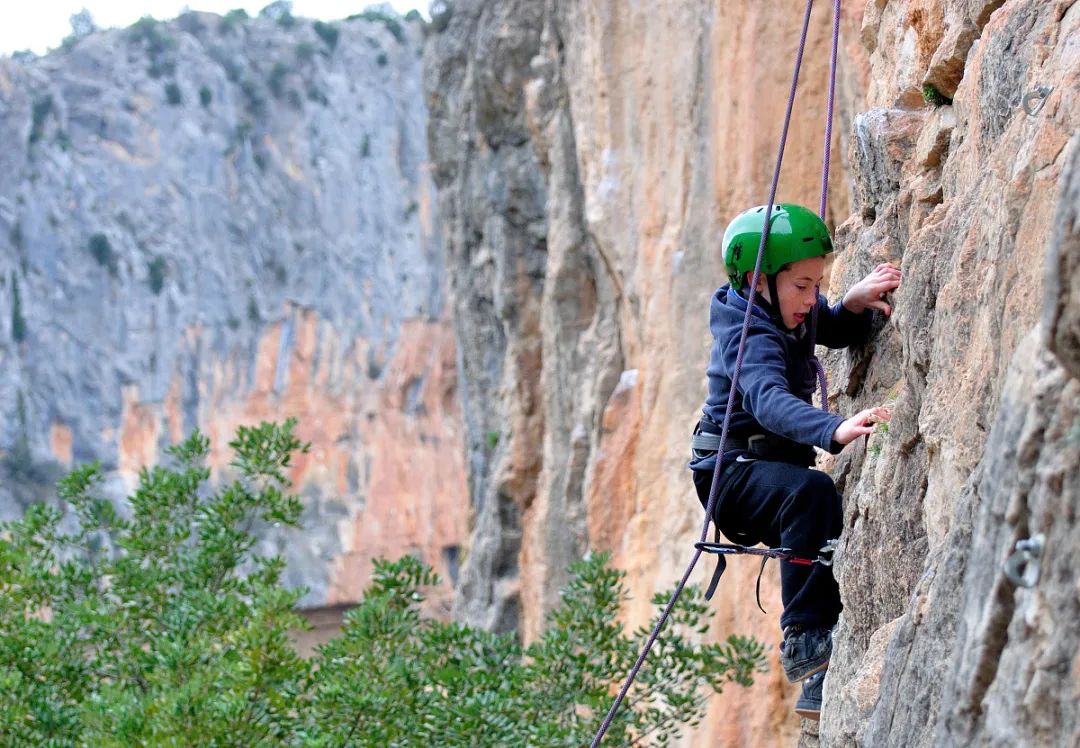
[767, 491]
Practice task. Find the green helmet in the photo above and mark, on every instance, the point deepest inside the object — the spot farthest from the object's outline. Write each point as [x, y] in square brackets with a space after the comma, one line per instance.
[795, 233]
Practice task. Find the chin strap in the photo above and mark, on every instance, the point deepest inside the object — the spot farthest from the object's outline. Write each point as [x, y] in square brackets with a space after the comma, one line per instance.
[774, 299]
[766, 303]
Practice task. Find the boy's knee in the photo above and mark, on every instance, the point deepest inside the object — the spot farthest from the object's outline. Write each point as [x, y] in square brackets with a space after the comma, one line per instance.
[818, 494]
[818, 485]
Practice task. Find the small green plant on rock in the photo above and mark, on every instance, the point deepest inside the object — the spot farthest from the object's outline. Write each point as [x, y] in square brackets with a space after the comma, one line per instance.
[82, 26]
[253, 98]
[102, 251]
[280, 12]
[934, 97]
[328, 32]
[389, 20]
[314, 93]
[158, 44]
[18, 321]
[231, 20]
[276, 79]
[155, 274]
[173, 94]
[881, 430]
[305, 51]
[42, 108]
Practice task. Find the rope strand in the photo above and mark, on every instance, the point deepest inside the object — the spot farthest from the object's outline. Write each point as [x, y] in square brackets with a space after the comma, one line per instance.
[825, 162]
[825, 159]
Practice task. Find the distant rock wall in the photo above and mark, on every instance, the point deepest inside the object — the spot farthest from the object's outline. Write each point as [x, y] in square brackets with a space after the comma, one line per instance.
[588, 155]
[211, 222]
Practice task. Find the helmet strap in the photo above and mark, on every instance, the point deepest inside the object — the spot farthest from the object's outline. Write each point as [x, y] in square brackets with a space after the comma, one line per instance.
[770, 304]
[774, 297]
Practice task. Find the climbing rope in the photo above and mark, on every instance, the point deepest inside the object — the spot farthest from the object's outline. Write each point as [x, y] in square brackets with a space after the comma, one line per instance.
[701, 546]
[825, 159]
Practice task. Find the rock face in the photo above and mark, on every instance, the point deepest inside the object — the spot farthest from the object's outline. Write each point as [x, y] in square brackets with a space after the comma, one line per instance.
[212, 222]
[588, 155]
[983, 453]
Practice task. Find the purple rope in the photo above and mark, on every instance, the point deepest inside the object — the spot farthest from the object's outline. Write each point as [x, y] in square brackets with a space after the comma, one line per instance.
[829, 110]
[731, 399]
[825, 193]
[822, 381]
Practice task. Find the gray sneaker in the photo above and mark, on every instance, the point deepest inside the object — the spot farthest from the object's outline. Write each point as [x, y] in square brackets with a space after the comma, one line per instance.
[805, 652]
[809, 703]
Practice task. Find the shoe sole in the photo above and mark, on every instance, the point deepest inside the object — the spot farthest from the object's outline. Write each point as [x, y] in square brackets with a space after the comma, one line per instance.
[814, 714]
[808, 673]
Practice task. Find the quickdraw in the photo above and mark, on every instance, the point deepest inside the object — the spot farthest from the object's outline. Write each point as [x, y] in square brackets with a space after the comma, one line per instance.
[824, 557]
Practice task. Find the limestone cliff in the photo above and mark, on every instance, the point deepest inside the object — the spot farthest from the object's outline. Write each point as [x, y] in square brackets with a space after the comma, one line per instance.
[588, 154]
[214, 221]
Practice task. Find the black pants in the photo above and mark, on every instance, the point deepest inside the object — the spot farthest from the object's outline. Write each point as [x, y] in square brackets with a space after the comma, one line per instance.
[780, 504]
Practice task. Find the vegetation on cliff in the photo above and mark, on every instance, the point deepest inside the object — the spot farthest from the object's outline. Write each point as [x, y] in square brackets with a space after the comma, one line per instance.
[156, 623]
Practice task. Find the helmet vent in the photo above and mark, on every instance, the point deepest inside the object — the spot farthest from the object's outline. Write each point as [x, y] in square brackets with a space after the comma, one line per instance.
[808, 238]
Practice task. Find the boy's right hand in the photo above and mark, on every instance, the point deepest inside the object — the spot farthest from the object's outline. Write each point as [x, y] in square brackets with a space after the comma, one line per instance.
[861, 424]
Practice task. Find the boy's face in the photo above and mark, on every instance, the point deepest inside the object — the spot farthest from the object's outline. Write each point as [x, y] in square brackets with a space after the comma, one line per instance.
[797, 287]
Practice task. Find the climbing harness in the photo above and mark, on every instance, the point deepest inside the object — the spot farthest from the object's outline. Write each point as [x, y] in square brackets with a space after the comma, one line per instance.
[713, 490]
[1022, 566]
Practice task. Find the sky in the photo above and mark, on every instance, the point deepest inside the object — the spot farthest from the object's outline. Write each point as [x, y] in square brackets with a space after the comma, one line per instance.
[41, 24]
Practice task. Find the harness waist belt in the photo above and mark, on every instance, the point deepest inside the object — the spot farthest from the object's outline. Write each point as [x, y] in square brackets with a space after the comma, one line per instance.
[706, 442]
[706, 439]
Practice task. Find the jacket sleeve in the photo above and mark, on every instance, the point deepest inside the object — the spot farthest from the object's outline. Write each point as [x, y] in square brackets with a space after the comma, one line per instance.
[767, 396]
[837, 327]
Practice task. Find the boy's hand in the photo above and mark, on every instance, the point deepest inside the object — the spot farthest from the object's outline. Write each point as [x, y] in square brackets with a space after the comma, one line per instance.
[870, 291]
[861, 424]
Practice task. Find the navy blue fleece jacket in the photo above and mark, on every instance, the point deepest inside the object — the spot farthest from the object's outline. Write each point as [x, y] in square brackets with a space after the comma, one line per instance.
[777, 378]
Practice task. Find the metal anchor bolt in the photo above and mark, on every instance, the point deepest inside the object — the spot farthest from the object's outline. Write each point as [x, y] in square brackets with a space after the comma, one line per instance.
[1040, 94]
[1022, 567]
